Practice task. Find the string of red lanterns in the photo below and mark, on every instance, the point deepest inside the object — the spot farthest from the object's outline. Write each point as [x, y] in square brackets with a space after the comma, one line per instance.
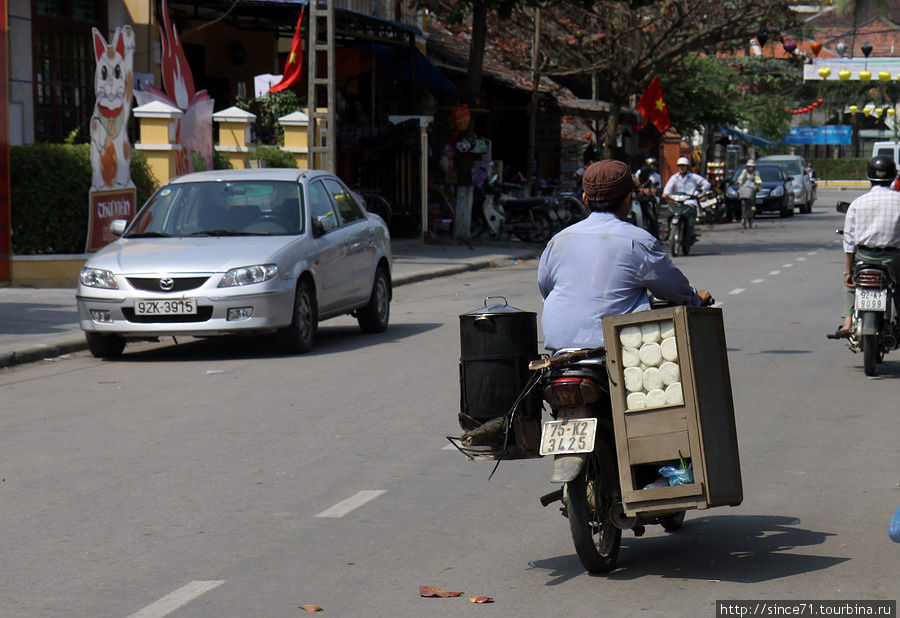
[808, 108]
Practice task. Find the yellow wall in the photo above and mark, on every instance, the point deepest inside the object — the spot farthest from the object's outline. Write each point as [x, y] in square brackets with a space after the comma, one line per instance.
[50, 272]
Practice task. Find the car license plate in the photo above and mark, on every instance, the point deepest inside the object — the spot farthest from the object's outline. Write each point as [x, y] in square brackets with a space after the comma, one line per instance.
[175, 306]
[574, 435]
[871, 300]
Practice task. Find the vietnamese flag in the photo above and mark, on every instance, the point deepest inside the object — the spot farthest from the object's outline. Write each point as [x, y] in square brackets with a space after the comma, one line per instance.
[294, 65]
[653, 108]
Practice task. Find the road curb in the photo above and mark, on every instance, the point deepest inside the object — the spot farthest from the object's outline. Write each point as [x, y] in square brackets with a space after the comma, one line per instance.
[58, 347]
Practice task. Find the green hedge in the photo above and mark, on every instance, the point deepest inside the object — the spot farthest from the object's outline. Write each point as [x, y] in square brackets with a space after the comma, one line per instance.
[839, 169]
[50, 187]
[274, 157]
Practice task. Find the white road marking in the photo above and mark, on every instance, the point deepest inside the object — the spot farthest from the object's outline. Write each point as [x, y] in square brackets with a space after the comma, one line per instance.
[356, 500]
[736, 291]
[774, 272]
[757, 281]
[177, 599]
[811, 252]
[786, 265]
[801, 259]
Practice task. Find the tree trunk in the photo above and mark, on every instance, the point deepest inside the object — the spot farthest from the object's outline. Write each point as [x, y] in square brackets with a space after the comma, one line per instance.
[463, 217]
[533, 106]
[611, 136]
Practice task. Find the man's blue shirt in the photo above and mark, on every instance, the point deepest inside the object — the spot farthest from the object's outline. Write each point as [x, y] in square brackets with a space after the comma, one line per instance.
[598, 267]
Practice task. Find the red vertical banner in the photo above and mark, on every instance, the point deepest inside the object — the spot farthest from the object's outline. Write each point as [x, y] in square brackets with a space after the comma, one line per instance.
[5, 196]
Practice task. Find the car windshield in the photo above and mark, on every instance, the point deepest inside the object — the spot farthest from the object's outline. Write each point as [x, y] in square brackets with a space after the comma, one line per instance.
[222, 208]
[766, 173]
[791, 167]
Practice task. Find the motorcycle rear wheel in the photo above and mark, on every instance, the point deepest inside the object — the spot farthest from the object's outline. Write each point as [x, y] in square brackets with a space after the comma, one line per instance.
[539, 232]
[870, 353]
[591, 495]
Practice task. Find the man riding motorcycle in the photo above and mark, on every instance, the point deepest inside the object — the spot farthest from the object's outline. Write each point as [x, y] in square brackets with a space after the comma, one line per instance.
[871, 231]
[604, 266]
[688, 182]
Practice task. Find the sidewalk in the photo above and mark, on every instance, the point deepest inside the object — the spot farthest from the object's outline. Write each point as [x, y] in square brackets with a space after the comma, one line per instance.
[38, 323]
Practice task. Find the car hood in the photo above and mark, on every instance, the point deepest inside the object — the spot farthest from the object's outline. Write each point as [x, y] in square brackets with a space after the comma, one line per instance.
[177, 255]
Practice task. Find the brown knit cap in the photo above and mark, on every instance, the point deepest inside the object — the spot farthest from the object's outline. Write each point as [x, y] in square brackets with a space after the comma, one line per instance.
[607, 179]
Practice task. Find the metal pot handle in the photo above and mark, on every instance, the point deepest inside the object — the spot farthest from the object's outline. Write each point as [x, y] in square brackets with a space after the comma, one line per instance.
[487, 298]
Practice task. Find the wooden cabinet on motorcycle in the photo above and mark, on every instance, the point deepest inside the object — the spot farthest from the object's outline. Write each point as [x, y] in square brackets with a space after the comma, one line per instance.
[671, 398]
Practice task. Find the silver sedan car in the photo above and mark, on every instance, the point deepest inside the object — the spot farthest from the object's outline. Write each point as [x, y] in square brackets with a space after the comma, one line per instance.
[238, 252]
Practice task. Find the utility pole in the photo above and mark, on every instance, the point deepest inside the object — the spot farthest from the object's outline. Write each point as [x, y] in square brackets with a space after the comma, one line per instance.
[322, 125]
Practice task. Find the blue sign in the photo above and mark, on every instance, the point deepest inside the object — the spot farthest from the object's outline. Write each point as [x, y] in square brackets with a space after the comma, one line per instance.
[835, 135]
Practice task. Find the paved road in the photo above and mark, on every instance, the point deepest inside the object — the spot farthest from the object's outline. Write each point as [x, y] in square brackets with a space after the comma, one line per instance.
[219, 479]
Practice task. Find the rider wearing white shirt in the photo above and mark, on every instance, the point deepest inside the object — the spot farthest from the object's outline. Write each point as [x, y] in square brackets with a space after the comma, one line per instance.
[686, 182]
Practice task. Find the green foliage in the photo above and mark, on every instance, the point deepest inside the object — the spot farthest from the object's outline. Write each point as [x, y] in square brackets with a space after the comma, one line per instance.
[702, 91]
[50, 192]
[839, 169]
[220, 161]
[274, 157]
[268, 110]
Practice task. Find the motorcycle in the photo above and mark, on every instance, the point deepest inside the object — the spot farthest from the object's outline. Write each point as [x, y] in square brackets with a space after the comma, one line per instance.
[683, 210]
[875, 326]
[711, 208]
[644, 213]
[530, 219]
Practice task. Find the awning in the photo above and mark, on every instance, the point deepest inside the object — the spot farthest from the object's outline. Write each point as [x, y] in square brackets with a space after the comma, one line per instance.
[756, 140]
[409, 64]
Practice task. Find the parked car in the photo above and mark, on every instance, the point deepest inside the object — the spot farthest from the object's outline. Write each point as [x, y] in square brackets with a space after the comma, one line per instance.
[774, 195]
[250, 251]
[803, 185]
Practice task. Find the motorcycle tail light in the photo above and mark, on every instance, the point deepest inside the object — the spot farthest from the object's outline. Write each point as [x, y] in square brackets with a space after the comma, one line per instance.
[563, 392]
[869, 278]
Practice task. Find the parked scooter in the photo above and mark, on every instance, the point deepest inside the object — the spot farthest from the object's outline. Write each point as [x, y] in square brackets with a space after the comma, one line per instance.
[875, 327]
[644, 213]
[531, 219]
[683, 211]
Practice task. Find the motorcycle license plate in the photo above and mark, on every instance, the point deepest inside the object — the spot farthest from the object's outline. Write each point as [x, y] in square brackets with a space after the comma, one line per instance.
[574, 435]
[871, 300]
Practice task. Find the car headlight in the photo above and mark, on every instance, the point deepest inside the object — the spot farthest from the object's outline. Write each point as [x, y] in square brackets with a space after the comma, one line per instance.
[731, 192]
[248, 274]
[777, 191]
[98, 278]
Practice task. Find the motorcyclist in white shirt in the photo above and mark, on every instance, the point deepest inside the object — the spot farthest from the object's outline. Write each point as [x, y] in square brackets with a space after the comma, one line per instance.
[688, 182]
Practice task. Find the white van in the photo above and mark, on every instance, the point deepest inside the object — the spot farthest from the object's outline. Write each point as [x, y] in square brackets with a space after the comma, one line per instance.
[887, 149]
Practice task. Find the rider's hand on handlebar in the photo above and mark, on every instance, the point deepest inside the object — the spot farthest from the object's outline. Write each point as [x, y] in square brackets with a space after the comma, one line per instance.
[706, 298]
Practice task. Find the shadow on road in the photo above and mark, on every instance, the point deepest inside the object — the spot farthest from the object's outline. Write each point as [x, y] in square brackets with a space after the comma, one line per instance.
[329, 340]
[745, 549]
[35, 318]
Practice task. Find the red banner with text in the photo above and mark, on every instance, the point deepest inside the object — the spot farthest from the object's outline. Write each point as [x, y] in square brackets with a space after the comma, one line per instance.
[106, 207]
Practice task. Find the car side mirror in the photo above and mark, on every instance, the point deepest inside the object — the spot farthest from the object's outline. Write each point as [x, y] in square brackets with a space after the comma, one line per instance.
[842, 207]
[117, 227]
[322, 225]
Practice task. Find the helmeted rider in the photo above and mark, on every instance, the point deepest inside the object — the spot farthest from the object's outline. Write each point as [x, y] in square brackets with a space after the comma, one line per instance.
[749, 182]
[872, 231]
[604, 266]
[686, 181]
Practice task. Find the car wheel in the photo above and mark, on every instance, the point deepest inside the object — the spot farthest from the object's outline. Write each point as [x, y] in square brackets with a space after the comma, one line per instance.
[373, 318]
[105, 346]
[298, 338]
[787, 210]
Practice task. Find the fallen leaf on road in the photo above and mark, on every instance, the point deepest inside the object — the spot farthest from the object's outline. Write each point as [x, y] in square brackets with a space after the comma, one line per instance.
[844, 545]
[309, 607]
[431, 591]
[481, 599]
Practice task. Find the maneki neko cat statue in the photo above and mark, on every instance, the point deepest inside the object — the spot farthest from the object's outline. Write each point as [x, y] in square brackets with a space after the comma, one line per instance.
[113, 81]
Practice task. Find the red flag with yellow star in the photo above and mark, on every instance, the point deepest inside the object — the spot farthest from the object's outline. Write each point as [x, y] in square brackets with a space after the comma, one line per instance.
[294, 65]
[653, 108]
